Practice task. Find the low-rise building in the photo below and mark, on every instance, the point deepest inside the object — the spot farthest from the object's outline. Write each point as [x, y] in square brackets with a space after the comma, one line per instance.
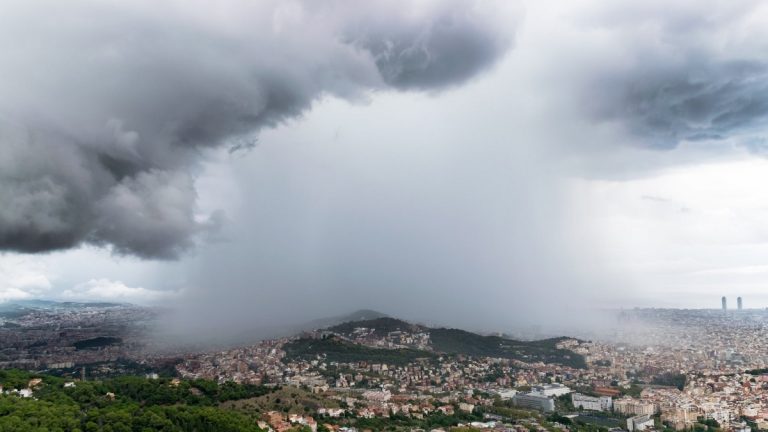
[506, 394]
[629, 406]
[640, 423]
[552, 389]
[582, 401]
[535, 401]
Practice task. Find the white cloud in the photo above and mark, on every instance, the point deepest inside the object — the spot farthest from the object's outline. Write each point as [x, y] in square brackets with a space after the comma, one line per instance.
[685, 236]
[115, 291]
[21, 279]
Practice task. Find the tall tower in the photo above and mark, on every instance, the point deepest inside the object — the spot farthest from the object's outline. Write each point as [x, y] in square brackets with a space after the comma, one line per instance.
[725, 304]
[738, 303]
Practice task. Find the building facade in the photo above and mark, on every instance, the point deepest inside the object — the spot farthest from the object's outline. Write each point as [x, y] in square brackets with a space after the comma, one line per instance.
[535, 401]
[582, 401]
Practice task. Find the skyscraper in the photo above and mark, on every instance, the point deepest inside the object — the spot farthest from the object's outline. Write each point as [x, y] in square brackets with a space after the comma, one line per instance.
[738, 303]
[725, 304]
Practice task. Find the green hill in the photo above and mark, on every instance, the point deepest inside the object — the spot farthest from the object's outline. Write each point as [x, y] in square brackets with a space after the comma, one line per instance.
[335, 349]
[125, 404]
[456, 341]
[381, 326]
[287, 399]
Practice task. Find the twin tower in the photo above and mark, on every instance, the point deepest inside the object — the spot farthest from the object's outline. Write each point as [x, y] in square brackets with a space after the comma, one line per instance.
[725, 303]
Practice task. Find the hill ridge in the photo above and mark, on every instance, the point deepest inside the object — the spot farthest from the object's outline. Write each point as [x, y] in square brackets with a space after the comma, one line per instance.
[456, 341]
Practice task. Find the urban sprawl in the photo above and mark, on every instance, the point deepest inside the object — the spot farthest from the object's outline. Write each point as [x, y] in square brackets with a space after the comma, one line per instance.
[656, 369]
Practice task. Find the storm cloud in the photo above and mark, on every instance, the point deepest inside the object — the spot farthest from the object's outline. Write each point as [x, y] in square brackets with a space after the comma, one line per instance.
[469, 163]
[686, 73]
[108, 108]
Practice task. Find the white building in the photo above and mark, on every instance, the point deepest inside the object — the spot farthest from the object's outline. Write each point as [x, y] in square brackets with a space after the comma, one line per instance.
[506, 394]
[582, 401]
[629, 406]
[534, 400]
[552, 389]
[640, 423]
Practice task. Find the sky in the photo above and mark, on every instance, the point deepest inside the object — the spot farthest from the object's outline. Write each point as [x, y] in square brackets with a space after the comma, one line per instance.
[481, 164]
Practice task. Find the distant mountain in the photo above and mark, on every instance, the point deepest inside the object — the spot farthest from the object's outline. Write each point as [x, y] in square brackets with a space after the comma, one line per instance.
[462, 342]
[249, 335]
[18, 308]
[357, 316]
[50, 304]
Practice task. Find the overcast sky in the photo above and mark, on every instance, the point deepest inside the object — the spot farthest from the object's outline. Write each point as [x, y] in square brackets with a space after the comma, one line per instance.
[487, 164]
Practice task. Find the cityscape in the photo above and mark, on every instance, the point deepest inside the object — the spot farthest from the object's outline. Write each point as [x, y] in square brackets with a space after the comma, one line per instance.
[724, 302]
[655, 369]
[383, 216]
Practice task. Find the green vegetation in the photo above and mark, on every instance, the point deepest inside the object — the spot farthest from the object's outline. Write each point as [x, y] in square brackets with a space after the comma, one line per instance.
[455, 341]
[564, 403]
[509, 411]
[288, 400]
[706, 425]
[381, 326]
[634, 390]
[138, 405]
[557, 418]
[599, 420]
[495, 373]
[97, 342]
[401, 422]
[336, 349]
[670, 379]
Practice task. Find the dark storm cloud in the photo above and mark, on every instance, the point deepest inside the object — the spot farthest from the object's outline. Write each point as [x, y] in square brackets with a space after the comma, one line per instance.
[107, 108]
[709, 102]
[682, 73]
[448, 50]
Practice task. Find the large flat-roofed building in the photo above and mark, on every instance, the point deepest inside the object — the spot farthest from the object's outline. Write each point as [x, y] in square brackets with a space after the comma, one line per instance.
[551, 389]
[682, 417]
[534, 400]
[640, 423]
[506, 394]
[582, 401]
[633, 407]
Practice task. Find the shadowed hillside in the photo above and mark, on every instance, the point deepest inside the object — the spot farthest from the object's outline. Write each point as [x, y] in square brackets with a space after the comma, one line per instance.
[457, 341]
[335, 349]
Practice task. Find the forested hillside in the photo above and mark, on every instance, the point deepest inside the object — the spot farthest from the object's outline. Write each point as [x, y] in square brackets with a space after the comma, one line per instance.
[126, 404]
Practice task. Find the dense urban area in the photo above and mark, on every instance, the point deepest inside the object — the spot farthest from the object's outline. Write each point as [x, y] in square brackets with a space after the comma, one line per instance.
[83, 367]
